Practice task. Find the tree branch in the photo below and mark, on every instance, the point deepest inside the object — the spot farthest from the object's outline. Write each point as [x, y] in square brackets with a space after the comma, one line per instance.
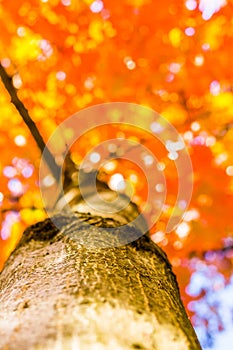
[7, 81]
[203, 254]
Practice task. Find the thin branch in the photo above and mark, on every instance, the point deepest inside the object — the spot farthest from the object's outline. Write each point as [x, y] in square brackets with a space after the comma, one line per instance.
[7, 81]
[203, 254]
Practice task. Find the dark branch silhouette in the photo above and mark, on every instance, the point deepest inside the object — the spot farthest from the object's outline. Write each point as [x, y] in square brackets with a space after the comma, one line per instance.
[7, 81]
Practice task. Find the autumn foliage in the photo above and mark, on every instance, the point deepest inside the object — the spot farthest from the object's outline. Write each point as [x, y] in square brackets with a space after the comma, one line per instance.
[174, 57]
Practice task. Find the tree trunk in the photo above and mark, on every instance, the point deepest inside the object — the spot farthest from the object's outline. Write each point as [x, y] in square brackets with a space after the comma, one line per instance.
[64, 289]
[79, 287]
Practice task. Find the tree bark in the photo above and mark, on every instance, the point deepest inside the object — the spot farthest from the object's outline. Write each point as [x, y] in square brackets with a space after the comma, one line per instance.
[57, 293]
[63, 289]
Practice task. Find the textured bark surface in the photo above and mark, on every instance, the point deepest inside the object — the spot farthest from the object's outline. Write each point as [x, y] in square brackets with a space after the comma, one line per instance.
[57, 293]
[62, 290]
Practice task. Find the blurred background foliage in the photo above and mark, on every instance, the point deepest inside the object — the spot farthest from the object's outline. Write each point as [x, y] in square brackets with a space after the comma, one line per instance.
[172, 56]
